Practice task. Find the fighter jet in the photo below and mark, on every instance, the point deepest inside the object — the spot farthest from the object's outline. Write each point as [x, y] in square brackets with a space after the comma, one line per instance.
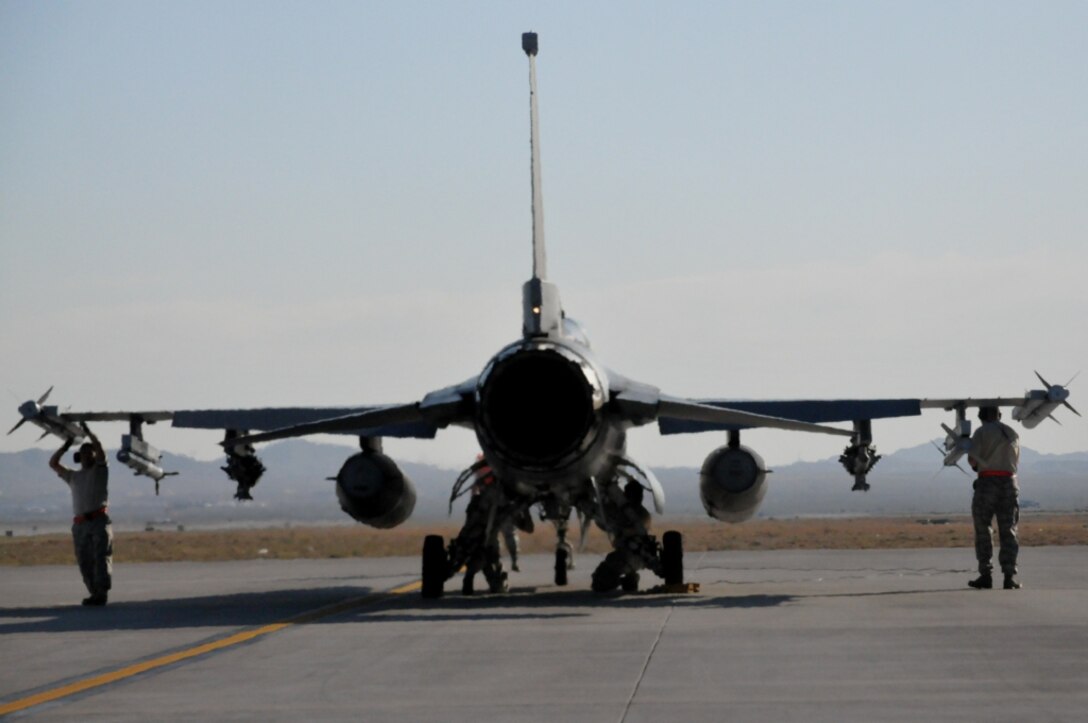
[551, 421]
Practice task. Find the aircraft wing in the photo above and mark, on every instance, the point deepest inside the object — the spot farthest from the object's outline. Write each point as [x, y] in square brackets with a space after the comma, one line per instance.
[403, 425]
[641, 403]
[440, 408]
[949, 404]
[150, 417]
[808, 411]
[272, 418]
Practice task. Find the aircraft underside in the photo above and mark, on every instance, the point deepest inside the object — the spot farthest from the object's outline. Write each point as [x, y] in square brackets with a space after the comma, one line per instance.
[614, 503]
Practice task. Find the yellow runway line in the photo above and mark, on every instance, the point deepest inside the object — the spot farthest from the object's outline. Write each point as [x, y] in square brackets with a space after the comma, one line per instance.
[113, 676]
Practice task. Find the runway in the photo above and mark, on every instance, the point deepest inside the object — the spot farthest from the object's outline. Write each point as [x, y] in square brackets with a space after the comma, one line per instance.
[772, 636]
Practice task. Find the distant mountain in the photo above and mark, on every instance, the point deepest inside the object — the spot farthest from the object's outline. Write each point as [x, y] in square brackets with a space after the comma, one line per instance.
[296, 488]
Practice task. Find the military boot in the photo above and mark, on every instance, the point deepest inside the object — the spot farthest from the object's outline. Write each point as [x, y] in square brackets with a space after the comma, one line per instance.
[1011, 583]
[982, 582]
[497, 582]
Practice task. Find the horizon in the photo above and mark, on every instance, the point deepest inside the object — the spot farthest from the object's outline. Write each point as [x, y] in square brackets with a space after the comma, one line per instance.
[925, 446]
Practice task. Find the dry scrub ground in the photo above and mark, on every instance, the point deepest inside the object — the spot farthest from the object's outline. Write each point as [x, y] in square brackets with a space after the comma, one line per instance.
[360, 541]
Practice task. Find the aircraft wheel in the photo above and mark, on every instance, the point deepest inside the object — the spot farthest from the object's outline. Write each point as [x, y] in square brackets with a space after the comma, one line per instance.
[435, 566]
[562, 555]
[629, 582]
[672, 557]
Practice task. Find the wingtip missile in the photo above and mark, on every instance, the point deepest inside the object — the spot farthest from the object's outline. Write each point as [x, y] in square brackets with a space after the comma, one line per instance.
[49, 419]
[1039, 404]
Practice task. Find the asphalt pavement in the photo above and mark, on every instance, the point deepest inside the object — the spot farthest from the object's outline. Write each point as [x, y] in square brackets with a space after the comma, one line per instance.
[772, 636]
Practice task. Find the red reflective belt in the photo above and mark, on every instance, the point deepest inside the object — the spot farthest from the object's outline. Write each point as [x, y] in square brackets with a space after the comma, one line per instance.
[88, 516]
[995, 473]
[485, 474]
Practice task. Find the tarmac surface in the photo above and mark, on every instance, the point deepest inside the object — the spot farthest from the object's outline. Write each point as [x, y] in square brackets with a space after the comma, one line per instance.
[771, 636]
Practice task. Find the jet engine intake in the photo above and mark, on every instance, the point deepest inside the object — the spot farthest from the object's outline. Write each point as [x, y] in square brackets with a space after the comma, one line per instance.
[732, 483]
[539, 405]
[374, 491]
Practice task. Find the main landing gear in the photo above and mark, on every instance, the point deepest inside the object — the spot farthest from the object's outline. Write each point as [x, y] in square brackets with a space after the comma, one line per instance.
[611, 574]
[562, 563]
[435, 566]
[440, 564]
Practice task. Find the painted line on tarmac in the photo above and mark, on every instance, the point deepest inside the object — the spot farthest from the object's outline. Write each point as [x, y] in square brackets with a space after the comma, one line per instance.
[113, 676]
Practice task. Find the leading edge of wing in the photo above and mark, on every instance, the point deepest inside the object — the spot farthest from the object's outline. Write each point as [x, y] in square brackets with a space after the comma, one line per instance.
[150, 417]
[712, 416]
[371, 421]
[801, 410]
[440, 408]
[274, 418]
[949, 404]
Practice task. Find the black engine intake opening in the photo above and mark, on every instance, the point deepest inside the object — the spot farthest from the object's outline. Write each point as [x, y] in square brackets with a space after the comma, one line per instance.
[537, 407]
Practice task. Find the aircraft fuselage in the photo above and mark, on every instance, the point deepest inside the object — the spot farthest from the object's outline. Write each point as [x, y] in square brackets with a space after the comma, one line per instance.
[542, 415]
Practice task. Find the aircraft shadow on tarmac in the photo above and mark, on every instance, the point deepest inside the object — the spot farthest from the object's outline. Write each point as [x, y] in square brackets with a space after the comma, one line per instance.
[526, 603]
[235, 610]
[262, 608]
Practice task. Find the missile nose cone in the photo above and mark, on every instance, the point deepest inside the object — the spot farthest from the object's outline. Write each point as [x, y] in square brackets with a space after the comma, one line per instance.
[528, 43]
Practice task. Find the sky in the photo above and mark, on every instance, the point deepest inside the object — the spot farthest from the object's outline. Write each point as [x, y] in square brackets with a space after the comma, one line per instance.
[249, 204]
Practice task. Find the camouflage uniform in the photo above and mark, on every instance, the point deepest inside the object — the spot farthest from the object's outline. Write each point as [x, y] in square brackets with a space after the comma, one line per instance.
[94, 552]
[995, 454]
[477, 545]
[92, 533]
[513, 544]
[523, 521]
[633, 547]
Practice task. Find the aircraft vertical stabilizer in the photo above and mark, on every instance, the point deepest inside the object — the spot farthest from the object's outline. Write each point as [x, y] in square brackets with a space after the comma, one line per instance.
[542, 314]
[540, 264]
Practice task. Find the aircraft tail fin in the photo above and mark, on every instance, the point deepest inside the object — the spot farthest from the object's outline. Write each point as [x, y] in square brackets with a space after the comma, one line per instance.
[542, 314]
[540, 271]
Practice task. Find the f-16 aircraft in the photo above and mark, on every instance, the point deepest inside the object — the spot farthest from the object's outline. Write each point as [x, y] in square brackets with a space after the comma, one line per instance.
[551, 421]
